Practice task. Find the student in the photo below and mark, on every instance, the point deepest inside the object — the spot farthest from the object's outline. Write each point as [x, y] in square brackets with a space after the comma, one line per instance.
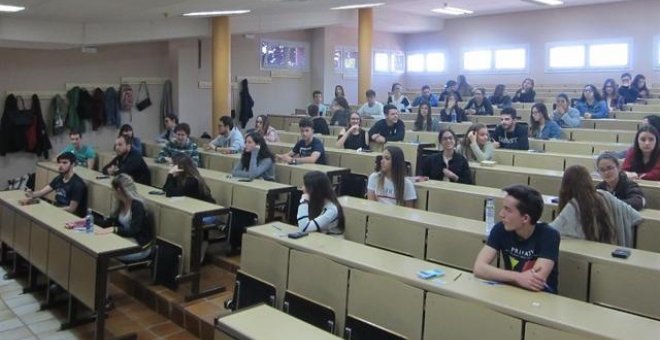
[339, 91]
[136, 143]
[653, 120]
[425, 120]
[450, 88]
[591, 105]
[447, 165]
[70, 189]
[643, 159]
[180, 145]
[317, 97]
[319, 209]
[389, 184]
[499, 97]
[426, 97]
[476, 145]
[639, 85]
[526, 92]
[230, 139]
[372, 108]
[464, 89]
[397, 99]
[628, 93]
[528, 248]
[617, 183]
[341, 111]
[479, 105]
[257, 161]
[128, 161]
[509, 134]
[308, 149]
[129, 220]
[389, 129]
[590, 214]
[184, 180]
[85, 155]
[171, 121]
[354, 137]
[540, 124]
[319, 123]
[452, 112]
[611, 96]
[262, 126]
[565, 115]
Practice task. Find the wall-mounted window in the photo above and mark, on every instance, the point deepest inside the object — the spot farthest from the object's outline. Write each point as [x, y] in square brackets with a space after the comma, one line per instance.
[381, 62]
[656, 53]
[387, 61]
[345, 59]
[597, 55]
[284, 55]
[426, 62]
[513, 59]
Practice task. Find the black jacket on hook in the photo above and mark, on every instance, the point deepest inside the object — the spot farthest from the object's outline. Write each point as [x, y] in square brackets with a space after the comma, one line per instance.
[247, 103]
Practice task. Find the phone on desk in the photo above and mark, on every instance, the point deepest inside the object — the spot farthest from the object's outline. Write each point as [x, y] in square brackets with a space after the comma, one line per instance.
[297, 234]
[102, 177]
[621, 253]
[245, 179]
[156, 192]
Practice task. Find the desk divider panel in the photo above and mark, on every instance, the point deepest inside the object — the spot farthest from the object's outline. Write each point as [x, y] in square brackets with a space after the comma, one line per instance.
[648, 235]
[546, 185]
[503, 157]
[267, 261]
[397, 235]
[22, 235]
[453, 248]
[652, 197]
[222, 163]
[99, 198]
[177, 230]
[611, 282]
[599, 148]
[250, 199]
[221, 192]
[626, 137]
[154, 210]
[592, 135]
[538, 332]
[539, 160]
[456, 203]
[7, 225]
[283, 174]
[355, 225]
[574, 277]
[39, 247]
[40, 178]
[568, 148]
[59, 256]
[498, 179]
[587, 162]
[83, 267]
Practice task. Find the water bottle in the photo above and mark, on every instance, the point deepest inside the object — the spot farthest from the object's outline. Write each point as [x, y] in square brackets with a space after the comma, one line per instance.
[89, 222]
[490, 214]
[453, 116]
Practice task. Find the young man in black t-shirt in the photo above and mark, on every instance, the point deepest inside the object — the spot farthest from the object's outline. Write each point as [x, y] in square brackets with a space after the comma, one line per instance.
[530, 249]
[509, 134]
[70, 189]
[308, 149]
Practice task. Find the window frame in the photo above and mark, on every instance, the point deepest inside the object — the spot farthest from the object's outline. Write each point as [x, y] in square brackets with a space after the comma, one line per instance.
[424, 54]
[587, 44]
[288, 43]
[493, 50]
[390, 53]
[656, 52]
[344, 49]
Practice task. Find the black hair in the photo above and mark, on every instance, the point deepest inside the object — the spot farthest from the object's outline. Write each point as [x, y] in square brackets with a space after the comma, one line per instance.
[316, 92]
[509, 111]
[530, 201]
[74, 132]
[341, 101]
[264, 152]
[419, 121]
[182, 127]
[124, 128]
[594, 90]
[389, 107]
[305, 123]
[638, 164]
[371, 93]
[227, 121]
[67, 156]
[443, 131]
[394, 85]
[626, 74]
[654, 120]
[499, 90]
[320, 189]
[173, 117]
[425, 87]
[313, 110]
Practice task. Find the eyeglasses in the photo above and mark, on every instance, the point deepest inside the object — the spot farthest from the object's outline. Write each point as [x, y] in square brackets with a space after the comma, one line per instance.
[588, 90]
[607, 169]
[447, 138]
[352, 118]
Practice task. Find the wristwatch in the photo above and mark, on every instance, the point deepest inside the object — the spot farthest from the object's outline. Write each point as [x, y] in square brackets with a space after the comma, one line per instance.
[294, 161]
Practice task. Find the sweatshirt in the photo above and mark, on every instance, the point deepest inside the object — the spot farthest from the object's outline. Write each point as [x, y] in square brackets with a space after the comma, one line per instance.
[257, 169]
[394, 133]
[131, 164]
[234, 141]
[517, 139]
[326, 222]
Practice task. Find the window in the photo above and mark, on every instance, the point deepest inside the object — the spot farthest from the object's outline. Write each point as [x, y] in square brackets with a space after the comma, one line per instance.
[505, 59]
[435, 62]
[477, 60]
[350, 60]
[657, 53]
[608, 55]
[345, 59]
[567, 57]
[426, 62]
[510, 59]
[284, 55]
[381, 62]
[398, 61]
[589, 56]
[389, 62]
[415, 63]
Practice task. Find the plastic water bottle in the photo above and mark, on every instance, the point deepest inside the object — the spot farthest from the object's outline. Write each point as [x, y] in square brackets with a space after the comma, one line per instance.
[453, 116]
[490, 214]
[89, 222]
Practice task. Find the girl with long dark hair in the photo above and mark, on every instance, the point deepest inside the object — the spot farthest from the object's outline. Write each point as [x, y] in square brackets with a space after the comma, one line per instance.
[256, 161]
[642, 160]
[319, 209]
[389, 184]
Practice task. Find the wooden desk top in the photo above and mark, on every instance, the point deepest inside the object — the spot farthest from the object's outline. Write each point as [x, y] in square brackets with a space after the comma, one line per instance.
[265, 322]
[473, 189]
[310, 167]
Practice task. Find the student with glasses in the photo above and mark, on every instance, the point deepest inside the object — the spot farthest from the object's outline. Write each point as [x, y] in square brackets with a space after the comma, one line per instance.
[617, 183]
[447, 165]
[591, 105]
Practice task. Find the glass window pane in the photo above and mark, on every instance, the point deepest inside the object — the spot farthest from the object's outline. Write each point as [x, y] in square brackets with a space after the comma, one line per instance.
[608, 55]
[415, 63]
[566, 56]
[398, 60]
[511, 59]
[350, 60]
[381, 62]
[283, 55]
[477, 60]
[336, 58]
[435, 62]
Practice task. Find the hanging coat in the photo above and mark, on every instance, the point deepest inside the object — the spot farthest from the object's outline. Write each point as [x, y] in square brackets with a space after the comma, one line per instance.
[57, 113]
[73, 121]
[166, 104]
[111, 103]
[37, 135]
[98, 109]
[12, 132]
[247, 103]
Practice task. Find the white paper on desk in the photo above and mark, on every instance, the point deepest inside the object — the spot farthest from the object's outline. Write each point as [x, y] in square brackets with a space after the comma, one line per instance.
[177, 198]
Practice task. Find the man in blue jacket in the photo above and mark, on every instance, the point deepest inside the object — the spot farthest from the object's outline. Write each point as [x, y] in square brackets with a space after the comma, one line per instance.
[509, 134]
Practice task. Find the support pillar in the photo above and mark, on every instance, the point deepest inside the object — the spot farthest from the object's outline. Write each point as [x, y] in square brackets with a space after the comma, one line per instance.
[365, 48]
[221, 69]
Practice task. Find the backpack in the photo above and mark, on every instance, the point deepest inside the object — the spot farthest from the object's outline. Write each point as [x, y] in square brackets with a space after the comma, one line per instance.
[126, 98]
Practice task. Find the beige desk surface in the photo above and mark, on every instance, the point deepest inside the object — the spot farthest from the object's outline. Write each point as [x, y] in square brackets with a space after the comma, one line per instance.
[561, 141]
[267, 323]
[475, 189]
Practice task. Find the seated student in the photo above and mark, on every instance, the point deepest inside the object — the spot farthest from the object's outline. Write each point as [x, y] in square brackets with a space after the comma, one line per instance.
[398, 99]
[389, 129]
[70, 189]
[540, 124]
[319, 209]
[85, 155]
[129, 220]
[389, 184]
[308, 149]
[372, 108]
[591, 105]
[171, 121]
[590, 214]
[180, 145]
[499, 98]
[476, 146]
[452, 112]
[136, 143]
[617, 183]
[479, 105]
[319, 123]
[463, 88]
[565, 115]
[339, 91]
[529, 248]
[426, 97]
[354, 137]
[643, 159]
[526, 93]
[230, 139]
[425, 120]
[653, 120]
[257, 161]
[184, 180]
[639, 85]
[128, 161]
[317, 97]
[340, 112]
[447, 165]
[626, 91]
[450, 88]
[611, 96]
[509, 134]
[262, 127]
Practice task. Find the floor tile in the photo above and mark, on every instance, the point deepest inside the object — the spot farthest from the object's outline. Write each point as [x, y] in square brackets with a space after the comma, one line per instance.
[6, 315]
[60, 335]
[39, 316]
[10, 324]
[19, 300]
[45, 326]
[166, 328]
[15, 334]
[30, 308]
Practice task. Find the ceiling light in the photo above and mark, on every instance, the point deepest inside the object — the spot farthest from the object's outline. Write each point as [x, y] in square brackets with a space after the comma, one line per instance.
[452, 10]
[546, 2]
[11, 9]
[359, 6]
[216, 13]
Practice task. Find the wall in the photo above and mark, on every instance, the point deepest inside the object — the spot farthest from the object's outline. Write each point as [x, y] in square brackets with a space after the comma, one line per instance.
[536, 29]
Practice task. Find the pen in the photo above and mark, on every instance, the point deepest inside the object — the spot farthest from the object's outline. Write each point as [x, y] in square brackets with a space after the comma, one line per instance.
[276, 227]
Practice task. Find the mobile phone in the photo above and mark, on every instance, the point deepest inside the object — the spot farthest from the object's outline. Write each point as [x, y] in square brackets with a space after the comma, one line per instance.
[156, 192]
[297, 234]
[102, 177]
[621, 253]
[245, 180]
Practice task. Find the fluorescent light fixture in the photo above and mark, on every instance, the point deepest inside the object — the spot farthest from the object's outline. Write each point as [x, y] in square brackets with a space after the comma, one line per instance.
[11, 9]
[452, 10]
[376, 4]
[216, 13]
[546, 2]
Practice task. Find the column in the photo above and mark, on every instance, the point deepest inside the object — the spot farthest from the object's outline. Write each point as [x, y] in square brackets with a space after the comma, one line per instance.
[220, 69]
[365, 46]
